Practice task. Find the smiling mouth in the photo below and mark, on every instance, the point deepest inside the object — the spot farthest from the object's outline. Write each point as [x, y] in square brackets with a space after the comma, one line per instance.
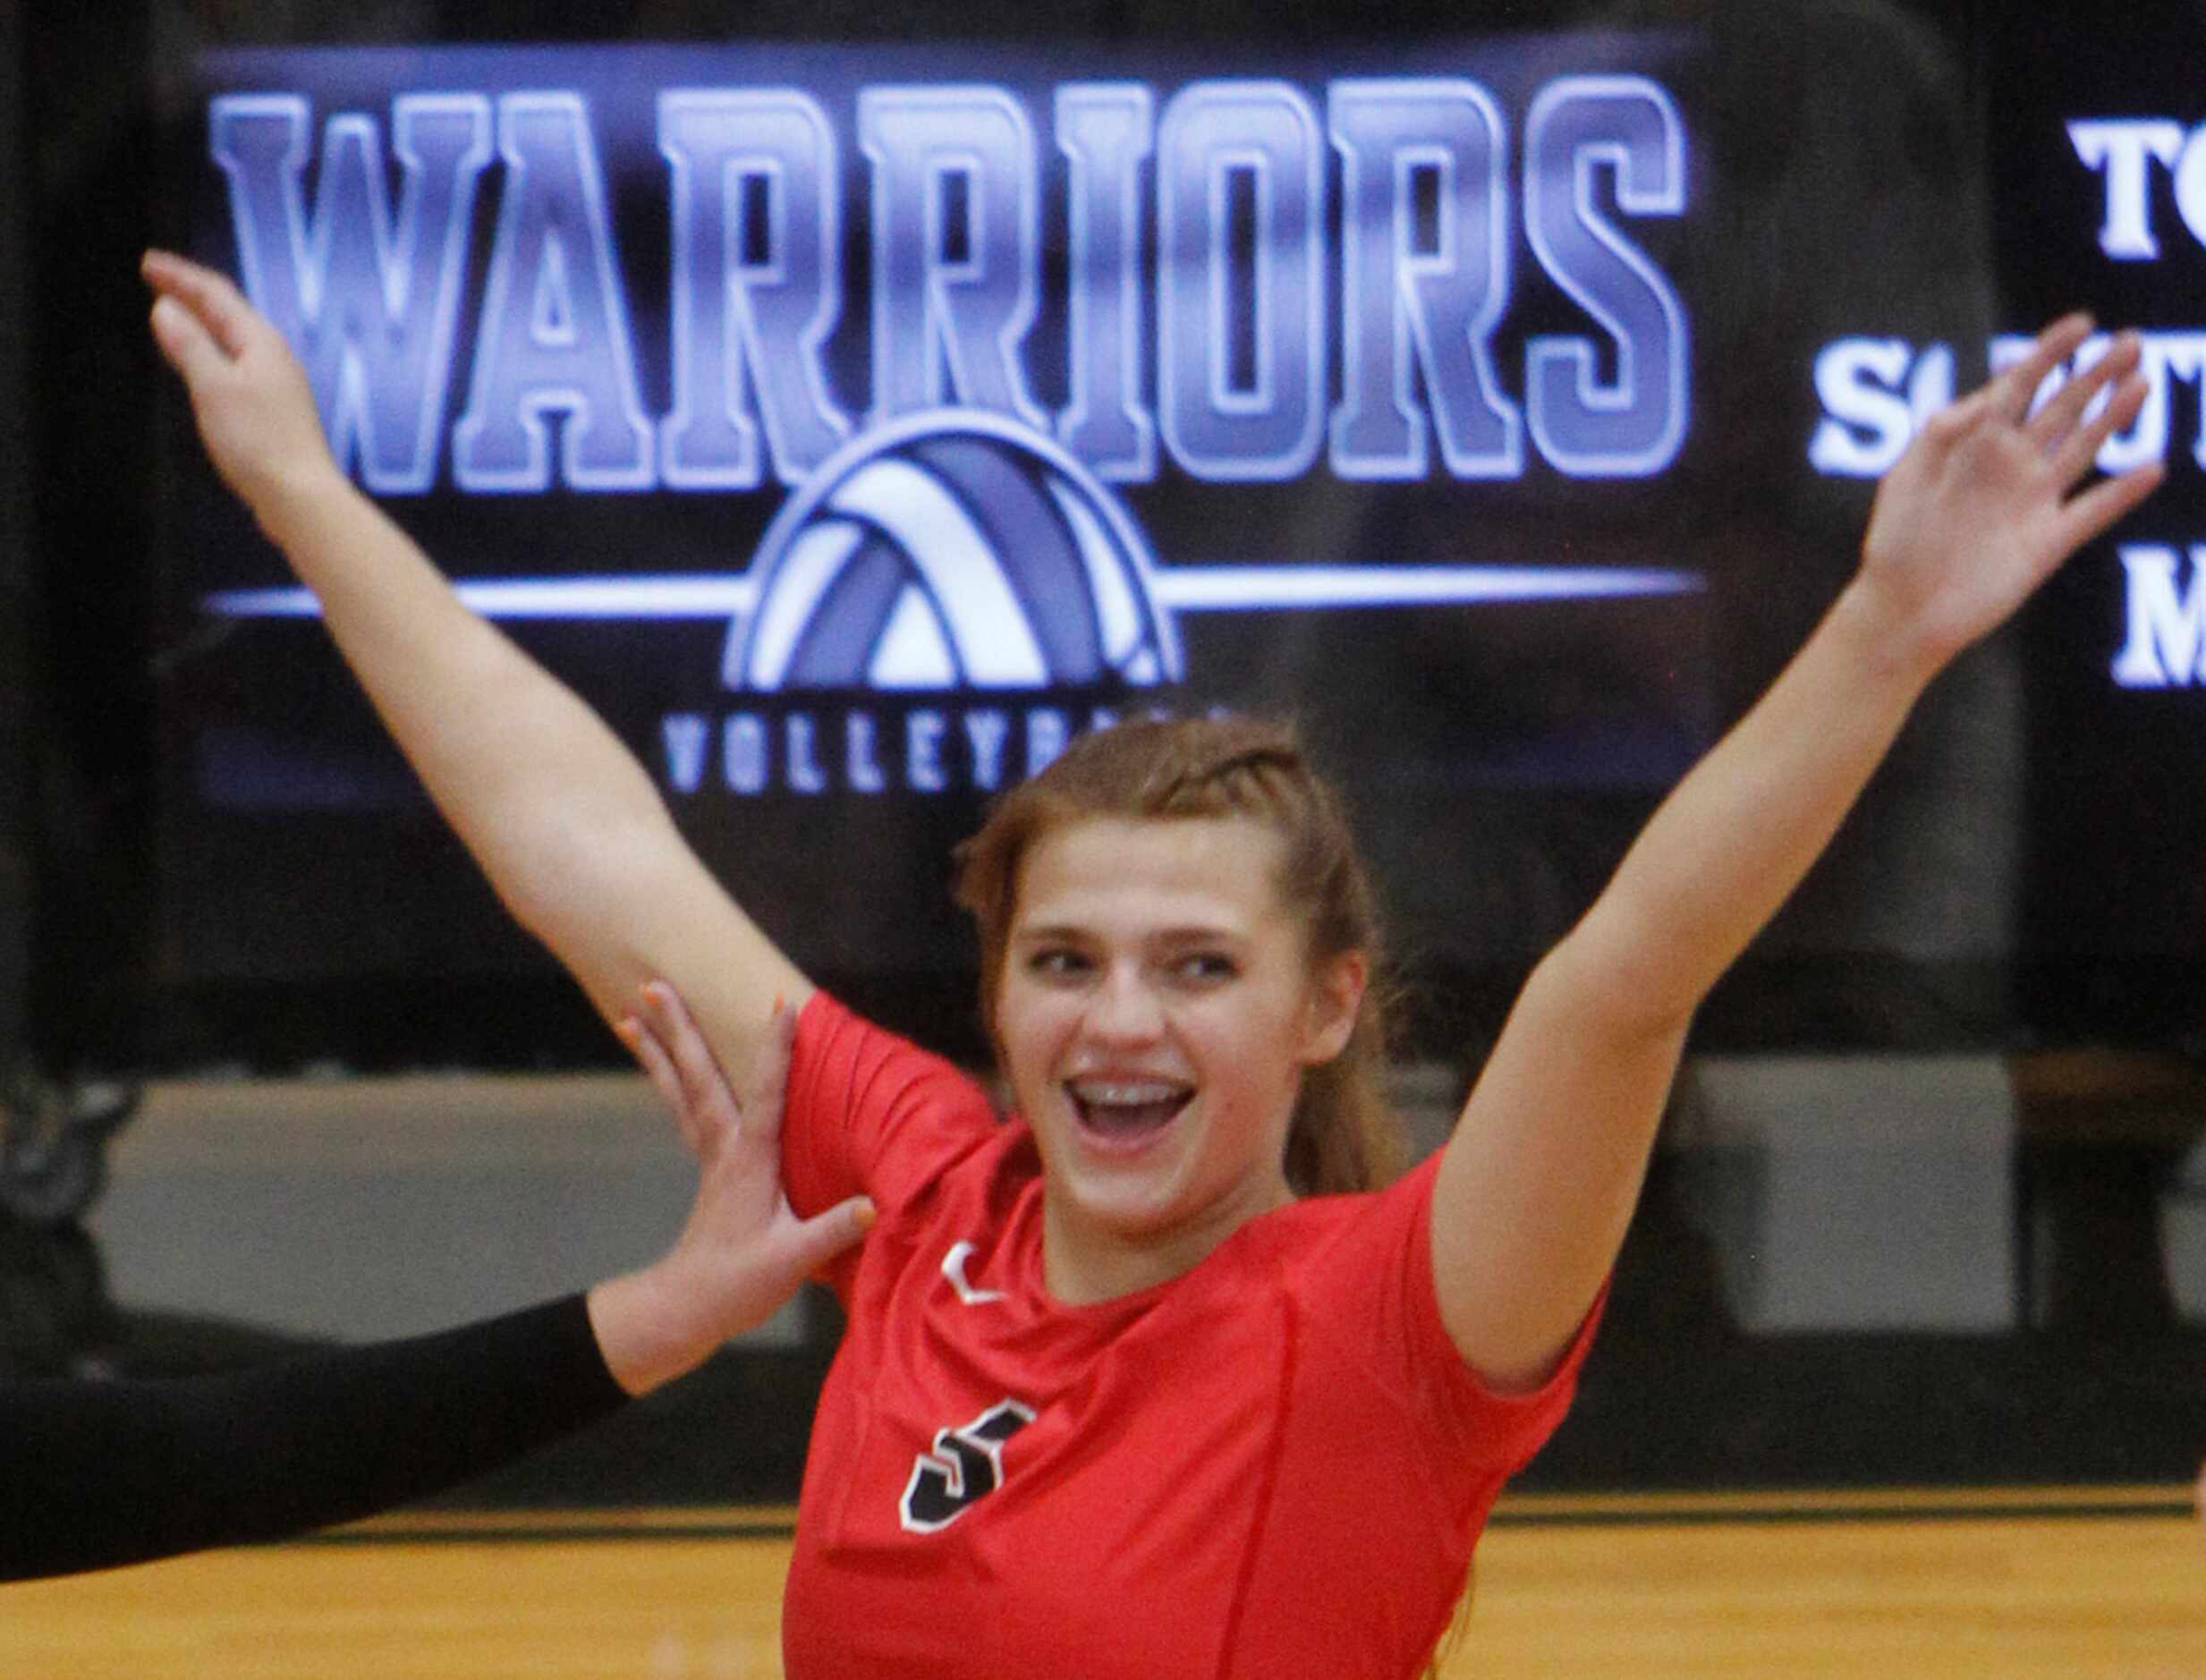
[1127, 1111]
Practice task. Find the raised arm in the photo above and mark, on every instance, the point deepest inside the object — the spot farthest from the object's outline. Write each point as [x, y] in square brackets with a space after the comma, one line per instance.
[561, 817]
[1538, 1181]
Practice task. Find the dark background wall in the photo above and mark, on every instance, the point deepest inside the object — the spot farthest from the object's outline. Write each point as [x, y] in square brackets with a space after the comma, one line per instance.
[16, 686]
[1845, 185]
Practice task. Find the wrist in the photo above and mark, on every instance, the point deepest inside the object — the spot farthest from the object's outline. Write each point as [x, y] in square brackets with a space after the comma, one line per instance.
[289, 498]
[1893, 643]
[644, 1333]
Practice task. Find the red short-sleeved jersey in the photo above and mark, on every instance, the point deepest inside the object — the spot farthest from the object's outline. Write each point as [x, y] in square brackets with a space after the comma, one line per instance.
[1275, 1465]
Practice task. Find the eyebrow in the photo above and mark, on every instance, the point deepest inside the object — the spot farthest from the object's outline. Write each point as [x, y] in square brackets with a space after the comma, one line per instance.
[1073, 932]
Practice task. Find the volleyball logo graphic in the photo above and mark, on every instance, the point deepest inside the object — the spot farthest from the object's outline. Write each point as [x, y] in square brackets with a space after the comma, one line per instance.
[952, 550]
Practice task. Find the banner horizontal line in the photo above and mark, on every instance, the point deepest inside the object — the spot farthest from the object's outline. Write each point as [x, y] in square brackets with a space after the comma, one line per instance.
[1257, 588]
[702, 596]
[1195, 588]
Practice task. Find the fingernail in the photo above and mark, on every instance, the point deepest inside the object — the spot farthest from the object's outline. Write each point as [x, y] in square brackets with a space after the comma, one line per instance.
[866, 1215]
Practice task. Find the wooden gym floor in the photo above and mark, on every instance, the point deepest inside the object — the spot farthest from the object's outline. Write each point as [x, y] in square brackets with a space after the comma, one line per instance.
[2072, 1582]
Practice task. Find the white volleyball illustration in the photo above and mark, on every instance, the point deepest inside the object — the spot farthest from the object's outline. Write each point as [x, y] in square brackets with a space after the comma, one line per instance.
[953, 549]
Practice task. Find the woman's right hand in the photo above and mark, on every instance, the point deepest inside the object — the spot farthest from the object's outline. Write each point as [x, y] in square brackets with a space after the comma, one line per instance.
[249, 396]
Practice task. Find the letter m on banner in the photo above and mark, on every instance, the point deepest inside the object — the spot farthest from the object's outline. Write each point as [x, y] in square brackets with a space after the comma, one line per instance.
[2165, 644]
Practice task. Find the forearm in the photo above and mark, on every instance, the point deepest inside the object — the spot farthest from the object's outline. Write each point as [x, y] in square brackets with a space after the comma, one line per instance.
[94, 1474]
[1734, 838]
[552, 805]
[1542, 1173]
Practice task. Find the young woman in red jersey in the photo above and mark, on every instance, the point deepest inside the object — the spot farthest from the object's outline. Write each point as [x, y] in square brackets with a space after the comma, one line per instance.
[1117, 1396]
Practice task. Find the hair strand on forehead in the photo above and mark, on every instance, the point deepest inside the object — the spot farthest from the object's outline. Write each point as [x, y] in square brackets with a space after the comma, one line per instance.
[1344, 1135]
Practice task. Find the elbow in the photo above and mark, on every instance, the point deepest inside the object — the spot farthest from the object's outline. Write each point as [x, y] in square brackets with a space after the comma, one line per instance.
[574, 881]
[1620, 981]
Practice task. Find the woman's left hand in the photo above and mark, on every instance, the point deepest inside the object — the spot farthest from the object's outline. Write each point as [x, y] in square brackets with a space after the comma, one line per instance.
[1982, 507]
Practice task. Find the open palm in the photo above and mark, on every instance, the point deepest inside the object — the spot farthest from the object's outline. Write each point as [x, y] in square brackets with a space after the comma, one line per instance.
[1983, 507]
[744, 1250]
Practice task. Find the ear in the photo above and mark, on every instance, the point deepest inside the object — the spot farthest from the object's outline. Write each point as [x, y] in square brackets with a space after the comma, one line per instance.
[1336, 999]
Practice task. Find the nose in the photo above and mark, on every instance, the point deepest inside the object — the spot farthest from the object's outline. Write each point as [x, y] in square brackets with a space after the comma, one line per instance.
[1124, 1007]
